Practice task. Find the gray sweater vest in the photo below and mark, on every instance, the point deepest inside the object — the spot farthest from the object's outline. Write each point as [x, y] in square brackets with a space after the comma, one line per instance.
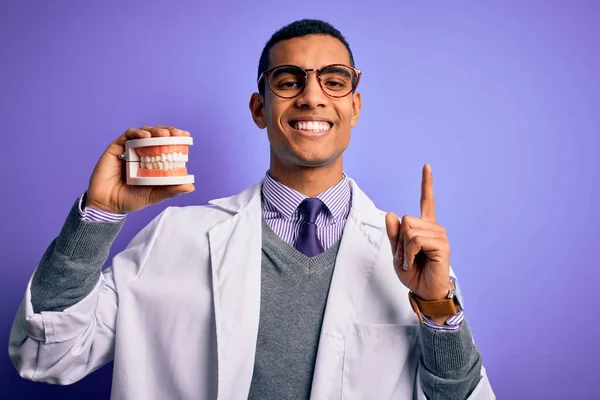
[294, 291]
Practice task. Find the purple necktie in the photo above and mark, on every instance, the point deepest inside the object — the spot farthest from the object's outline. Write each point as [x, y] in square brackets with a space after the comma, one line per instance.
[308, 242]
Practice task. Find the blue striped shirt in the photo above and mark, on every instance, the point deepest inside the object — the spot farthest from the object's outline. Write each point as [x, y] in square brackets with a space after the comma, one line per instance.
[91, 214]
[280, 211]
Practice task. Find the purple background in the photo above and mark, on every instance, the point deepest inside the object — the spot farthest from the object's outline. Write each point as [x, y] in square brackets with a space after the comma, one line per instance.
[502, 99]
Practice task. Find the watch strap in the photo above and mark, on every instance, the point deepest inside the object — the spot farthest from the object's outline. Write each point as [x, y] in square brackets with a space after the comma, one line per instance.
[432, 308]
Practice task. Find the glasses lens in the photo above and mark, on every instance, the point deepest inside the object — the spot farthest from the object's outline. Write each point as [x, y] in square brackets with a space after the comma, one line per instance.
[338, 80]
[287, 81]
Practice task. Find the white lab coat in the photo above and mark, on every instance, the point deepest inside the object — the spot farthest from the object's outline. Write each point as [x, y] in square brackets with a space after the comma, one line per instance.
[178, 310]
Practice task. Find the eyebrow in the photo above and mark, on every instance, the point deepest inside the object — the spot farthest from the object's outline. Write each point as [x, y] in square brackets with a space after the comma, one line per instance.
[339, 70]
[285, 70]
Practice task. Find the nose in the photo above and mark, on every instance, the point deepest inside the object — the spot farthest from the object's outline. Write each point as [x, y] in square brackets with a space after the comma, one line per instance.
[312, 96]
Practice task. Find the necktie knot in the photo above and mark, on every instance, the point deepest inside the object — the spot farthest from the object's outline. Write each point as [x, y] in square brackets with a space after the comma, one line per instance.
[311, 208]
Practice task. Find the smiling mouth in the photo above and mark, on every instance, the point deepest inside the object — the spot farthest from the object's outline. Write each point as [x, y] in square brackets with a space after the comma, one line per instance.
[311, 126]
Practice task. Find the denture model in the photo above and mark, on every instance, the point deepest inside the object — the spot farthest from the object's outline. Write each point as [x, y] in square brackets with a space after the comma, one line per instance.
[158, 161]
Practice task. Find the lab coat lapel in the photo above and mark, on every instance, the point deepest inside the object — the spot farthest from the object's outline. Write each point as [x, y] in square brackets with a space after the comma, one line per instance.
[235, 253]
[356, 258]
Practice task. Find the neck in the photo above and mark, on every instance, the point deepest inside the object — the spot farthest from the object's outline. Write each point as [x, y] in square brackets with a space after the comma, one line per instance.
[310, 181]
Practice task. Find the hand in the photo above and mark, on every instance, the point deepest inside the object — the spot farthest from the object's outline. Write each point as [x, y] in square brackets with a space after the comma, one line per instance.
[421, 248]
[108, 190]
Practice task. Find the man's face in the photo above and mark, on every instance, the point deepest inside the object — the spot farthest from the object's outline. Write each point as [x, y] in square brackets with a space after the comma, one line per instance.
[293, 143]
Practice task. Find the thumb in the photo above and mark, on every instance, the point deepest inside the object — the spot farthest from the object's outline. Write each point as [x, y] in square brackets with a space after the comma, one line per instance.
[392, 225]
[161, 193]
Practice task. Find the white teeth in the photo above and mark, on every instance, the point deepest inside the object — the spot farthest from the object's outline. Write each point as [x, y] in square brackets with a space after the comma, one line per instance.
[315, 126]
[169, 161]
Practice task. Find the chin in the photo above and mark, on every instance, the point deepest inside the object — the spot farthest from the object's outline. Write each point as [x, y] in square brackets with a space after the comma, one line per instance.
[313, 160]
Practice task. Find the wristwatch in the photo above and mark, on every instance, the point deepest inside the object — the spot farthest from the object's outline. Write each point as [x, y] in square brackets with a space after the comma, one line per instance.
[447, 307]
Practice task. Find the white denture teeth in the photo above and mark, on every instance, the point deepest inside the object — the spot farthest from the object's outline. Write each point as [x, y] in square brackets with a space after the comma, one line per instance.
[168, 161]
[157, 161]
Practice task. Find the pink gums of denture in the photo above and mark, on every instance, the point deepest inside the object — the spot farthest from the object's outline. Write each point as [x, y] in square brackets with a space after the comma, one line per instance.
[162, 161]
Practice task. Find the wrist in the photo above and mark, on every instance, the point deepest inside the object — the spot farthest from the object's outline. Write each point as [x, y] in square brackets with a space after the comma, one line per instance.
[437, 311]
[440, 294]
[89, 211]
[437, 320]
[88, 203]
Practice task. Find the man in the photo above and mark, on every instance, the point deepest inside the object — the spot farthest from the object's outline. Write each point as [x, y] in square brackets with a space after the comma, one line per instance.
[298, 287]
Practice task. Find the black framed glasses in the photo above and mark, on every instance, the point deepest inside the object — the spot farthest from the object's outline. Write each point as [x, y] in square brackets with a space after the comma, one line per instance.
[288, 81]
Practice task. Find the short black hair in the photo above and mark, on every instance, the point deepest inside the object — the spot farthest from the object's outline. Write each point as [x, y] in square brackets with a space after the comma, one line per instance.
[300, 28]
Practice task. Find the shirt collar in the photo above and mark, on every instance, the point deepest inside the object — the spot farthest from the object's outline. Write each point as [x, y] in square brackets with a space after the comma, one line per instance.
[286, 200]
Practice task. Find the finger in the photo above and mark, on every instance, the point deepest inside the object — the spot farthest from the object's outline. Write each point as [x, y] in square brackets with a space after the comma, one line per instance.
[409, 221]
[130, 134]
[161, 193]
[427, 200]
[156, 131]
[117, 147]
[411, 228]
[412, 233]
[174, 131]
[392, 224]
[183, 132]
[426, 244]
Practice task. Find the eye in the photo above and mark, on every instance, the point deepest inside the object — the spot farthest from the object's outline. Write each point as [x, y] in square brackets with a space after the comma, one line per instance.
[288, 84]
[287, 81]
[337, 78]
[336, 83]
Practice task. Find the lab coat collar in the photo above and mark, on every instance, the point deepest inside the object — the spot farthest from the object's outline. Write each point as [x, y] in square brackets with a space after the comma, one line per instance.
[363, 210]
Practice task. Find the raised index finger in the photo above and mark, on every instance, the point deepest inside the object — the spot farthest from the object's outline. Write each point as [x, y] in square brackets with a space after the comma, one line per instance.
[427, 200]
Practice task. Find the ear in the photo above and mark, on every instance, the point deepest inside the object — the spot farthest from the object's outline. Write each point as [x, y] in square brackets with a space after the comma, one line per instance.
[257, 108]
[356, 106]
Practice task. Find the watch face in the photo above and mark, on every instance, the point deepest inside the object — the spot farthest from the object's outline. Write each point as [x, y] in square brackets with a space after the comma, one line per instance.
[457, 293]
